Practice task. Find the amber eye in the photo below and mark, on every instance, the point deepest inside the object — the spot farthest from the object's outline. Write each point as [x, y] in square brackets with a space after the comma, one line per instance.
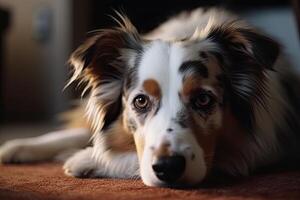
[141, 102]
[202, 101]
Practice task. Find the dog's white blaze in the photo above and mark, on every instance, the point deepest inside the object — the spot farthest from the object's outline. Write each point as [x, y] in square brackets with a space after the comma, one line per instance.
[154, 64]
[161, 61]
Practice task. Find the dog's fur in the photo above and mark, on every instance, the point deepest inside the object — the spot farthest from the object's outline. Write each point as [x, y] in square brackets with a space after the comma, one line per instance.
[203, 85]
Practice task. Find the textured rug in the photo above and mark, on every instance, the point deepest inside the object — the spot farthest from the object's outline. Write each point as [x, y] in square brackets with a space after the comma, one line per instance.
[47, 181]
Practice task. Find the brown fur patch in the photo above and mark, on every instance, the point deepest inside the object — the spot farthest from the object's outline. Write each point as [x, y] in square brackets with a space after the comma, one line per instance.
[226, 141]
[231, 139]
[73, 118]
[206, 138]
[192, 82]
[152, 87]
[163, 150]
[118, 139]
[190, 85]
[208, 144]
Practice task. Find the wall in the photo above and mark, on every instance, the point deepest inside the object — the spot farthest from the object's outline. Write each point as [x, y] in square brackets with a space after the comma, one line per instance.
[280, 23]
[34, 68]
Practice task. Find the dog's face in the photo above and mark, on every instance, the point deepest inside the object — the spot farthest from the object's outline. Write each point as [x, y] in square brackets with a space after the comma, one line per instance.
[175, 97]
[174, 109]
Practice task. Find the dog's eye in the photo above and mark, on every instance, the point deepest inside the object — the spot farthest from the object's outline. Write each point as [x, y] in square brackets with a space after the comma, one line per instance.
[141, 102]
[202, 101]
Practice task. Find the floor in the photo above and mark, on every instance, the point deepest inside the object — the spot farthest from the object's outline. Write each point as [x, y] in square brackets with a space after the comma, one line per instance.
[47, 181]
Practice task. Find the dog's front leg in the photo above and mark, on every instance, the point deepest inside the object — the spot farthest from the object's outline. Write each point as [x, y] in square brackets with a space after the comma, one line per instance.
[50, 146]
[88, 163]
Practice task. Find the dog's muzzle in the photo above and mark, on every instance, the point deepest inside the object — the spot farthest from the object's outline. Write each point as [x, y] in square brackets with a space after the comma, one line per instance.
[169, 168]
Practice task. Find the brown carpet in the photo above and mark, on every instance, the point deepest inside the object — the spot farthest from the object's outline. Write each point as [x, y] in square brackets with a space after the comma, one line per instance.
[47, 181]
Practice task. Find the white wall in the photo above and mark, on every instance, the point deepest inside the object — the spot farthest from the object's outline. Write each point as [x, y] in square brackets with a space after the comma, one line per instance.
[280, 23]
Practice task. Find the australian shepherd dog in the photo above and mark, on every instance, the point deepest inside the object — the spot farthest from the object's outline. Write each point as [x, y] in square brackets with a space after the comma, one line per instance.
[204, 91]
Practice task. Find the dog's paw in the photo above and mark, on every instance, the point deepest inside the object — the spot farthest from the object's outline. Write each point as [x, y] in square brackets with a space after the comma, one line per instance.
[16, 151]
[81, 165]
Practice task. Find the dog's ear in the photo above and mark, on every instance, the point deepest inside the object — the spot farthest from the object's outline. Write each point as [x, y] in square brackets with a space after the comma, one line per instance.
[246, 55]
[239, 41]
[100, 64]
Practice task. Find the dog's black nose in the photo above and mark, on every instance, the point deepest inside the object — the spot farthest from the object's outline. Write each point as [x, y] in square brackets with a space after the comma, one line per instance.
[169, 168]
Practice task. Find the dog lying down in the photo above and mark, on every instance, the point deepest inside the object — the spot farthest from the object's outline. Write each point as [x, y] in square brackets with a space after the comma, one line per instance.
[203, 92]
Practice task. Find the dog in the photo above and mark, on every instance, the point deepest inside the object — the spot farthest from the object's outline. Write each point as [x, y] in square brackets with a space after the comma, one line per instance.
[204, 91]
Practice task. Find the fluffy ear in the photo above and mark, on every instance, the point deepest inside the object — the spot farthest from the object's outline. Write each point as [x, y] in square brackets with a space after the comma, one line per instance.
[246, 54]
[99, 63]
[238, 40]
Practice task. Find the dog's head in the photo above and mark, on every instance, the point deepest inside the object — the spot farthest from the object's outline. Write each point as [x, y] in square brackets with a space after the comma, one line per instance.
[175, 97]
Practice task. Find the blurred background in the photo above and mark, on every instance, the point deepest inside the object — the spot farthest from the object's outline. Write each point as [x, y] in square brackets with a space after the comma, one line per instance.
[37, 36]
